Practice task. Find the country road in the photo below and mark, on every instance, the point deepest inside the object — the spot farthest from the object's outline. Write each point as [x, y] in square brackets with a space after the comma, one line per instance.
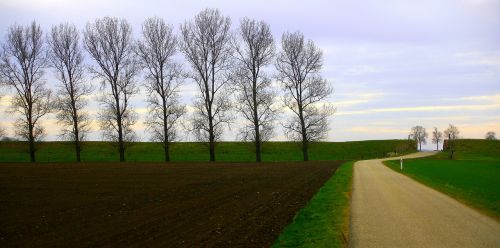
[391, 210]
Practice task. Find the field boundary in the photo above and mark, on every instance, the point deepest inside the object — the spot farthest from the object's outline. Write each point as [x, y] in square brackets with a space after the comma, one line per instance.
[324, 221]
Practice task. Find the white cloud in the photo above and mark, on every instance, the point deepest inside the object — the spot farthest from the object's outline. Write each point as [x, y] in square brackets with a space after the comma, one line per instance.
[489, 98]
[423, 109]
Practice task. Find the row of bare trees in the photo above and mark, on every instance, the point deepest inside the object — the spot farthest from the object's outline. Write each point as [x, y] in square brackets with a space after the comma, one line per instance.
[223, 64]
[419, 135]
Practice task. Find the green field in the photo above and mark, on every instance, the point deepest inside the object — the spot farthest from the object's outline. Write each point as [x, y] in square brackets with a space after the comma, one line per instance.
[473, 177]
[324, 221]
[191, 151]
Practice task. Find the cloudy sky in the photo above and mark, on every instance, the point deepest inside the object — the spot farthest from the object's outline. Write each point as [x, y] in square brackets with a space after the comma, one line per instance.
[393, 64]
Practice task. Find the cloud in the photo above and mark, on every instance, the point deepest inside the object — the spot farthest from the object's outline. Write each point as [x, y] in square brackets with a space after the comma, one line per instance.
[479, 58]
[439, 108]
[494, 106]
[363, 69]
[490, 98]
[370, 129]
[355, 99]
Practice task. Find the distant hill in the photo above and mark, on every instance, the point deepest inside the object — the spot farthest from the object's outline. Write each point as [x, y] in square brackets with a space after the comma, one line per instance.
[475, 149]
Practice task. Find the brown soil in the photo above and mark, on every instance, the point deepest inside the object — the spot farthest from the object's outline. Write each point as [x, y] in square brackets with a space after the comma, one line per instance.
[176, 205]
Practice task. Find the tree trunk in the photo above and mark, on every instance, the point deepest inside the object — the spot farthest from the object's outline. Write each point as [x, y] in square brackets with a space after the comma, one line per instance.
[211, 141]
[31, 141]
[212, 151]
[31, 138]
[165, 141]
[304, 135]
[211, 136]
[305, 143]
[165, 131]
[75, 128]
[305, 150]
[78, 149]
[437, 146]
[121, 146]
[256, 121]
[165, 150]
[120, 141]
[77, 138]
[209, 98]
[257, 150]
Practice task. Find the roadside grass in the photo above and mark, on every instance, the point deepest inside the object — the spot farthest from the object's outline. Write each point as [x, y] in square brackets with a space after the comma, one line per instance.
[94, 151]
[473, 178]
[324, 222]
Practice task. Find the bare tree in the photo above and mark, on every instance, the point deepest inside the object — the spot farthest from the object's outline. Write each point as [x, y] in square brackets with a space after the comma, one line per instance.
[206, 46]
[452, 133]
[2, 129]
[254, 49]
[109, 42]
[163, 79]
[23, 59]
[419, 134]
[299, 64]
[65, 55]
[490, 135]
[3, 132]
[437, 136]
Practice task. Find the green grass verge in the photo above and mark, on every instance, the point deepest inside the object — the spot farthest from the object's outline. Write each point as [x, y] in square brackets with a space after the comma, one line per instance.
[324, 222]
[475, 182]
[191, 151]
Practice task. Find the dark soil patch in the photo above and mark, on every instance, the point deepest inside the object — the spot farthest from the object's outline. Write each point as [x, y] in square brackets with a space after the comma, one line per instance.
[176, 205]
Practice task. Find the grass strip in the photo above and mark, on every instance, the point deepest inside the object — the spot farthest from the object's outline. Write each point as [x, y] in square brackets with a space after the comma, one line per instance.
[324, 222]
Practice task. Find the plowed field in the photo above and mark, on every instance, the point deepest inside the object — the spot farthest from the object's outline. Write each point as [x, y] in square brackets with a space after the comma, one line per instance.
[152, 204]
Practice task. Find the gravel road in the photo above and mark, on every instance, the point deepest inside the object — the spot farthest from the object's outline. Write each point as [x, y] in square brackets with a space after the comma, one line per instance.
[391, 210]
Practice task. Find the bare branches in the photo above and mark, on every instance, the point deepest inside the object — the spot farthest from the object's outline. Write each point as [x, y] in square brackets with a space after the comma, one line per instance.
[254, 49]
[206, 46]
[230, 71]
[22, 61]
[437, 136]
[163, 79]
[109, 42]
[3, 132]
[419, 134]
[65, 55]
[451, 132]
[298, 65]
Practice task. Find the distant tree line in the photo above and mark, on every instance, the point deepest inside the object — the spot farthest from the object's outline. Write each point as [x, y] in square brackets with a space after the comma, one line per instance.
[230, 69]
[419, 135]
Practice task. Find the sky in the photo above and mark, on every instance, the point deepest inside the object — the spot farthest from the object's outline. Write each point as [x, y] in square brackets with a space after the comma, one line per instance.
[393, 64]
